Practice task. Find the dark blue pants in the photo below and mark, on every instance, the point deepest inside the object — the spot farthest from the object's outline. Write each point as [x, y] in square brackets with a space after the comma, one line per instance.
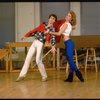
[69, 48]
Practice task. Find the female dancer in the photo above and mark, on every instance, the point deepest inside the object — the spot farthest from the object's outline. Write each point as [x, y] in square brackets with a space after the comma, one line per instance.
[65, 31]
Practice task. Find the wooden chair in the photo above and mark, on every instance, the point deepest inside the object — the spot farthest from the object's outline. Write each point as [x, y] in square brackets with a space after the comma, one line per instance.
[91, 58]
[4, 57]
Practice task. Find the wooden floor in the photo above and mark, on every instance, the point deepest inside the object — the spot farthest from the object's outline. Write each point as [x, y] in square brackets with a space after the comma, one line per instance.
[55, 87]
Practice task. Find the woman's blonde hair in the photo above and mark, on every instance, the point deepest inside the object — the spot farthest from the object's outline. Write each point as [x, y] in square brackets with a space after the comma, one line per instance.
[73, 21]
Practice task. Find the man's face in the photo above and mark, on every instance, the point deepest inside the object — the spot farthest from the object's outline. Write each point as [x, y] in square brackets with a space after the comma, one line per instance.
[52, 20]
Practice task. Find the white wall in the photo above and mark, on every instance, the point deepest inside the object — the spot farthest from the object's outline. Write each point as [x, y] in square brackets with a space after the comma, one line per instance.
[27, 17]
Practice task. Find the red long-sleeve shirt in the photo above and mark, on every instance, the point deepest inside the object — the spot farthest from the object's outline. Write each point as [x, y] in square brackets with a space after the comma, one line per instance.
[41, 27]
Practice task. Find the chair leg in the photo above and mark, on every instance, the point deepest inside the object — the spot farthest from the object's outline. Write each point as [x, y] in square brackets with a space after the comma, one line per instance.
[67, 68]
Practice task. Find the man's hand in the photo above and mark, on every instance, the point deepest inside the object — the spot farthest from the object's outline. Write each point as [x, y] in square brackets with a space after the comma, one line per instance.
[46, 31]
[23, 38]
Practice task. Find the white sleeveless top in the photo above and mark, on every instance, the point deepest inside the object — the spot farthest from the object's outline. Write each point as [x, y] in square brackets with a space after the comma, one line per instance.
[68, 30]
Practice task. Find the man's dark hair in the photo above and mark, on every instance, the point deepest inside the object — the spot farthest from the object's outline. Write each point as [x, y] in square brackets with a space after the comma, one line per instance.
[53, 16]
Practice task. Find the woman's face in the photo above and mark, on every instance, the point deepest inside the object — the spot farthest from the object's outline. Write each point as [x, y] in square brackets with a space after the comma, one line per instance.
[68, 17]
